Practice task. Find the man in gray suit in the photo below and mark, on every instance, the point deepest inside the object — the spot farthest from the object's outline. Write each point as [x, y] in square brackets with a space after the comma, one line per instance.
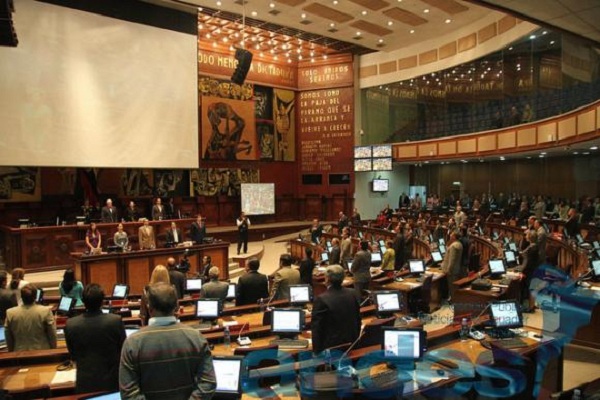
[452, 263]
[283, 278]
[30, 326]
[361, 268]
[214, 289]
[335, 253]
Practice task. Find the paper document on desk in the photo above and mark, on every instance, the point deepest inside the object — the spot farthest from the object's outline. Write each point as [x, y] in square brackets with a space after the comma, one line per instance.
[61, 377]
[412, 284]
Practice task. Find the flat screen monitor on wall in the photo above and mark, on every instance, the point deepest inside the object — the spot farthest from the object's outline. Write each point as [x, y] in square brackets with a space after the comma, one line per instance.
[363, 152]
[381, 185]
[258, 198]
[382, 164]
[363, 164]
[382, 150]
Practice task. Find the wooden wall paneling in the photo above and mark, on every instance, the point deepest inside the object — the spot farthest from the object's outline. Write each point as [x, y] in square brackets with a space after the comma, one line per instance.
[313, 207]
[62, 246]
[586, 122]
[339, 203]
[105, 273]
[229, 210]
[209, 208]
[35, 254]
[138, 271]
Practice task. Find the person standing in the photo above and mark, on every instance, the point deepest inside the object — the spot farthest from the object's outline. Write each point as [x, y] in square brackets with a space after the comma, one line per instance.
[30, 326]
[7, 297]
[283, 278]
[132, 214]
[398, 246]
[346, 248]
[243, 224]
[361, 268]
[307, 265]
[93, 239]
[109, 212]
[158, 210]
[174, 235]
[120, 238]
[71, 287]
[343, 221]
[316, 231]
[528, 266]
[542, 237]
[452, 263]
[336, 313]
[251, 286]
[166, 359]
[388, 264]
[94, 340]
[214, 288]
[17, 283]
[177, 278]
[146, 236]
[335, 253]
[198, 230]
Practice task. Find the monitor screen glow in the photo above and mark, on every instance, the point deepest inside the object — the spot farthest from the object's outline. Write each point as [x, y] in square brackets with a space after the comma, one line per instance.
[381, 185]
[120, 291]
[300, 294]
[363, 152]
[363, 165]
[416, 266]
[231, 291]
[227, 372]
[324, 257]
[65, 304]
[596, 267]
[510, 256]
[442, 248]
[375, 257]
[382, 164]
[286, 321]
[388, 302]
[402, 344]
[436, 256]
[506, 314]
[512, 246]
[207, 308]
[193, 284]
[382, 150]
[497, 267]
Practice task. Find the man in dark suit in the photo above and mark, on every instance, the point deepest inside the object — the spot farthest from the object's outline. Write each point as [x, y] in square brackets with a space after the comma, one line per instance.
[307, 265]
[94, 340]
[336, 313]
[198, 230]
[109, 212]
[452, 263]
[572, 224]
[243, 224]
[283, 278]
[361, 268]
[530, 263]
[158, 211]
[251, 286]
[8, 299]
[316, 231]
[174, 235]
[335, 253]
[398, 246]
[176, 278]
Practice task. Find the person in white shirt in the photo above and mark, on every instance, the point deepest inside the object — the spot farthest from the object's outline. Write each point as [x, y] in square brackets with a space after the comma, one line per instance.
[243, 224]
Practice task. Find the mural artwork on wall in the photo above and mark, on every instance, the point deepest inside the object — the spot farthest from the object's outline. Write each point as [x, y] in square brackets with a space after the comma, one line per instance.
[266, 140]
[170, 183]
[20, 184]
[219, 88]
[220, 181]
[228, 129]
[136, 182]
[285, 132]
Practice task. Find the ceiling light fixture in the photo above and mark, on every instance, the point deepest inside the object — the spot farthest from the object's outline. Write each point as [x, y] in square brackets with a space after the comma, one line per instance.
[364, 12]
[448, 20]
[594, 148]
[412, 31]
[426, 10]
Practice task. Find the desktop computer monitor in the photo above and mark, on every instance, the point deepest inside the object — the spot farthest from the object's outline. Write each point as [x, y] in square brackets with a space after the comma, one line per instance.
[596, 244]
[131, 330]
[228, 371]
[375, 258]
[208, 309]
[381, 243]
[416, 267]
[512, 246]
[287, 322]
[39, 296]
[436, 257]
[349, 264]
[387, 302]
[329, 247]
[506, 314]
[497, 267]
[407, 344]
[506, 240]
[510, 257]
[595, 266]
[442, 249]
[193, 285]
[120, 291]
[65, 305]
[441, 242]
[300, 294]
[325, 257]
[231, 291]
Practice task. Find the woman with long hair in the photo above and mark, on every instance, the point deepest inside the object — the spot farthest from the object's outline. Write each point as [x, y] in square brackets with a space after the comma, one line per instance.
[160, 274]
[71, 287]
[93, 239]
[17, 282]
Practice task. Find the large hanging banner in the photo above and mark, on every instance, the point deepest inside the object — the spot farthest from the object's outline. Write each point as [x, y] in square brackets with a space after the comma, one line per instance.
[228, 129]
[285, 125]
[220, 181]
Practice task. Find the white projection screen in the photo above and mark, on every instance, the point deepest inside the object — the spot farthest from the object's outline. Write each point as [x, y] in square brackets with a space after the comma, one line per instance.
[83, 90]
[258, 198]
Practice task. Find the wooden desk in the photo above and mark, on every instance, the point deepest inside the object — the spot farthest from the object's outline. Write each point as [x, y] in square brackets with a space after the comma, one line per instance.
[410, 287]
[134, 268]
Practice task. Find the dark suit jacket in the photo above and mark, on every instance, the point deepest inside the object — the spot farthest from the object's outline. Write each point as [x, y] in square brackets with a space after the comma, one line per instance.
[171, 236]
[107, 216]
[307, 266]
[251, 287]
[197, 233]
[132, 215]
[335, 255]
[158, 214]
[178, 280]
[94, 341]
[335, 318]
[361, 266]
[7, 300]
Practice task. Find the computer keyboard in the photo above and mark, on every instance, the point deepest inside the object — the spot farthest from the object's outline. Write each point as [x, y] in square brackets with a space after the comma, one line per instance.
[204, 326]
[290, 343]
[386, 378]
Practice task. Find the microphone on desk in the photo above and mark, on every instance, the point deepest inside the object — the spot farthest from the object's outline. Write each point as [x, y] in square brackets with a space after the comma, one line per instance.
[477, 335]
[243, 340]
[270, 300]
[350, 369]
[365, 301]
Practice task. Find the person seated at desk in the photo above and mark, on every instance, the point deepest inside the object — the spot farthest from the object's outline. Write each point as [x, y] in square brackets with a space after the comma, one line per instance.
[174, 235]
[166, 360]
[177, 278]
[160, 274]
[30, 326]
[283, 278]
[251, 286]
[214, 289]
[132, 213]
[93, 239]
[206, 266]
[198, 230]
[70, 287]
[94, 340]
[336, 313]
[17, 283]
[7, 297]
[307, 265]
[146, 236]
[120, 238]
